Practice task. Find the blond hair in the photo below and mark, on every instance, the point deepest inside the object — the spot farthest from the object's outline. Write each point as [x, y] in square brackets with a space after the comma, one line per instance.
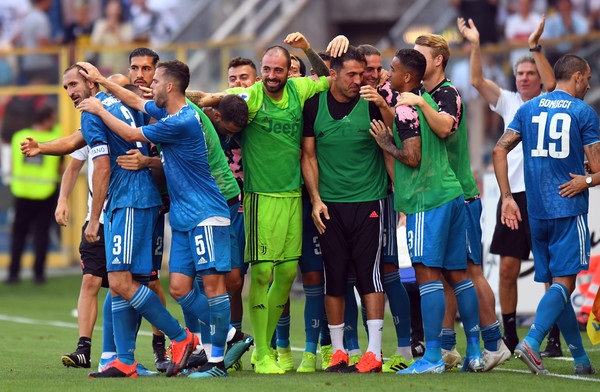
[438, 44]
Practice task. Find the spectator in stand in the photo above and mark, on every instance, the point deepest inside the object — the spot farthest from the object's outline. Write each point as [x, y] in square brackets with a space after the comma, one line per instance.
[141, 20]
[37, 33]
[77, 32]
[519, 27]
[112, 30]
[564, 22]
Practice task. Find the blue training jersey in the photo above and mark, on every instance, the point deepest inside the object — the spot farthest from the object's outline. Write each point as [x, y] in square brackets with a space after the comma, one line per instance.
[127, 188]
[554, 129]
[192, 189]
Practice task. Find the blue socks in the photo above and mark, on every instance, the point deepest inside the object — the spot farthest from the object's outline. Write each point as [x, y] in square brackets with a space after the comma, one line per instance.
[433, 304]
[399, 306]
[468, 308]
[549, 309]
[314, 309]
[150, 307]
[125, 320]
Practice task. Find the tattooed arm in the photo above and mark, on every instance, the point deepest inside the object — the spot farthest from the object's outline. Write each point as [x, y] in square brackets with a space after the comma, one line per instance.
[510, 210]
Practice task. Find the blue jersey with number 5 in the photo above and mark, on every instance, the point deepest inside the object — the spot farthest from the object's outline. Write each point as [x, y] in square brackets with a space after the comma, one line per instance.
[554, 129]
[127, 188]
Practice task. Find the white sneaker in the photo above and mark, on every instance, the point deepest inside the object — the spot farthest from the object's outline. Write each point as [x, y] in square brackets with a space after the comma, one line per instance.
[451, 358]
[496, 358]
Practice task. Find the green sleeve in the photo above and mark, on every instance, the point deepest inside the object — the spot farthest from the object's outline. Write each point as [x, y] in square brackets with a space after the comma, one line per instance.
[307, 87]
[253, 96]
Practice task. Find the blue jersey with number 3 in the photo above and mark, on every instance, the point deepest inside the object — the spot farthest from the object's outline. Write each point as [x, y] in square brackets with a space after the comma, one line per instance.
[127, 188]
[554, 129]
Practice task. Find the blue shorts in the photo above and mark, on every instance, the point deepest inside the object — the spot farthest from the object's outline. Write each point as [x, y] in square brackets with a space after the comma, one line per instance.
[128, 234]
[474, 233]
[203, 250]
[311, 259]
[436, 237]
[561, 247]
[158, 239]
[236, 237]
[390, 242]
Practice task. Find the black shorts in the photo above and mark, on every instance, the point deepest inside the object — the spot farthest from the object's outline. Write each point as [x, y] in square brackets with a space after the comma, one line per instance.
[513, 243]
[353, 237]
[93, 255]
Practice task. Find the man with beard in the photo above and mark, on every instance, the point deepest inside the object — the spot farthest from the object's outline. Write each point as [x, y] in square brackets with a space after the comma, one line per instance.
[272, 185]
[132, 194]
[199, 218]
[344, 172]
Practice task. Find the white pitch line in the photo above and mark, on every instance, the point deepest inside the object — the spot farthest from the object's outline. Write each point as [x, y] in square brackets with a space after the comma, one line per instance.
[62, 324]
[573, 377]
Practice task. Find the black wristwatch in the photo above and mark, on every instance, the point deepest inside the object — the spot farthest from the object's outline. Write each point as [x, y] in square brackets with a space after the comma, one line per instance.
[538, 48]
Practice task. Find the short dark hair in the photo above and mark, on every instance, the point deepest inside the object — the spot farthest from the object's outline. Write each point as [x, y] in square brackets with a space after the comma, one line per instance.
[414, 62]
[78, 68]
[178, 72]
[239, 61]
[43, 113]
[301, 65]
[337, 63]
[233, 108]
[369, 50]
[567, 65]
[144, 52]
[282, 50]
[324, 56]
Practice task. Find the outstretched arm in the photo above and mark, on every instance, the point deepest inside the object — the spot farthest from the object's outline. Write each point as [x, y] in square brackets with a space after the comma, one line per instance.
[61, 146]
[203, 99]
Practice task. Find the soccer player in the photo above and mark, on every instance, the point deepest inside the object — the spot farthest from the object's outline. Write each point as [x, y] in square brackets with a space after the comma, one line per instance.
[428, 192]
[558, 132]
[200, 218]
[272, 180]
[345, 176]
[531, 74]
[448, 122]
[124, 234]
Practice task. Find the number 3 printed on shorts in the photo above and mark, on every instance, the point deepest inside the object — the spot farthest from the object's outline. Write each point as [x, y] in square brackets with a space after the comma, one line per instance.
[559, 137]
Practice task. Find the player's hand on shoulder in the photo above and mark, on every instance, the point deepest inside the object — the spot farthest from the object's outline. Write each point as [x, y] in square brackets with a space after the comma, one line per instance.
[92, 105]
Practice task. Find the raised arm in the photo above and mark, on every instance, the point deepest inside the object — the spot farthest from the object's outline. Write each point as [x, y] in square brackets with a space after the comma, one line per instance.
[129, 98]
[299, 41]
[541, 62]
[487, 88]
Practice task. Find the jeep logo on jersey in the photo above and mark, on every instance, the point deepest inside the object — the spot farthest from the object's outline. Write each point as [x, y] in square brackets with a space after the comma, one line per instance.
[290, 128]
